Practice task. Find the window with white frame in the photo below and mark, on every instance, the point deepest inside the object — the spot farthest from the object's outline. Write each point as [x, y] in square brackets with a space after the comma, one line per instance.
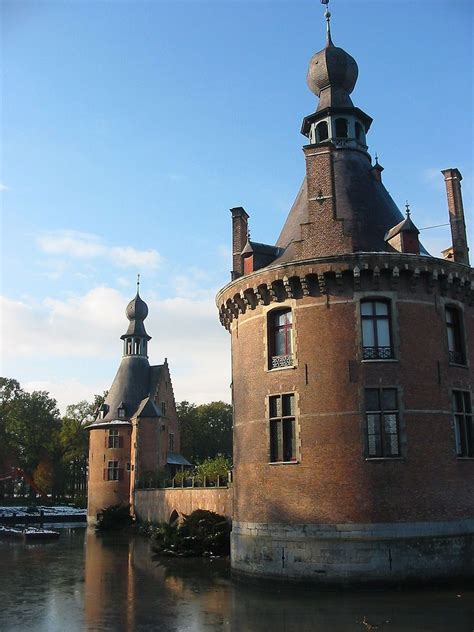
[282, 428]
[376, 330]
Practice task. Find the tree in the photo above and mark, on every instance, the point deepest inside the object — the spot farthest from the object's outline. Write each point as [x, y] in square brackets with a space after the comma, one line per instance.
[206, 430]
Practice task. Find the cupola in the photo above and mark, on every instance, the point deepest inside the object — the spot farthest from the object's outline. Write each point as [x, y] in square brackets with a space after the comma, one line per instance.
[332, 75]
[136, 338]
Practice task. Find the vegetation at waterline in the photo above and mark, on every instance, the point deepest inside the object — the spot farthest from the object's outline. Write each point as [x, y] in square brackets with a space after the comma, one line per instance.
[202, 533]
[114, 518]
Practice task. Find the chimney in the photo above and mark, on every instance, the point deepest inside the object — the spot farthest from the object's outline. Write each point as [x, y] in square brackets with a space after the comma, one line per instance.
[239, 239]
[460, 252]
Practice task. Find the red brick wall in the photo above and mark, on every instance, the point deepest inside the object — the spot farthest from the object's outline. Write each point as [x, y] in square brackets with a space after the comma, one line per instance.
[333, 482]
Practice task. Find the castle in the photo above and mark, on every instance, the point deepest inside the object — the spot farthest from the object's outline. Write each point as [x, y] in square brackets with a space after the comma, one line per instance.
[352, 355]
[136, 433]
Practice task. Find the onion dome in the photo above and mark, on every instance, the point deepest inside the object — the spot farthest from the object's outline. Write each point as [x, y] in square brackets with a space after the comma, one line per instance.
[137, 309]
[332, 74]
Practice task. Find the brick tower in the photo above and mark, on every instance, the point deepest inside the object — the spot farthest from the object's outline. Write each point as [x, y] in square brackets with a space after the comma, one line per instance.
[136, 433]
[352, 355]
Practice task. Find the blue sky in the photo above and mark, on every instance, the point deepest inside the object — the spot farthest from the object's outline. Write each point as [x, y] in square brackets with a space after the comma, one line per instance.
[130, 128]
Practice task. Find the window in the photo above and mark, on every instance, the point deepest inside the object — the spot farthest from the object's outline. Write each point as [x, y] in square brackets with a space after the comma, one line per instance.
[376, 338]
[113, 439]
[163, 409]
[455, 337]
[282, 428]
[321, 131]
[137, 346]
[171, 442]
[358, 131]
[129, 346]
[121, 412]
[341, 128]
[113, 471]
[381, 410]
[129, 467]
[463, 424]
[280, 338]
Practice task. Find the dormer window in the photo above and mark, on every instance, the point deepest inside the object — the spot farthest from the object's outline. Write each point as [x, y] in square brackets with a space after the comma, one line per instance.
[103, 410]
[121, 412]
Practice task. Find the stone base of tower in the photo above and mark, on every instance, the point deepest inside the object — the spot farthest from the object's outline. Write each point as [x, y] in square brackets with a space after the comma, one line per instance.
[338, 554]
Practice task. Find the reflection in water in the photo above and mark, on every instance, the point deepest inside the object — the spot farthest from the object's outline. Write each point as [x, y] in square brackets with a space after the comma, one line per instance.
[111, 583]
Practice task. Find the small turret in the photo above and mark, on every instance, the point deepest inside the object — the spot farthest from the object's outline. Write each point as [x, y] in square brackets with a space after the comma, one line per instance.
[136, 338]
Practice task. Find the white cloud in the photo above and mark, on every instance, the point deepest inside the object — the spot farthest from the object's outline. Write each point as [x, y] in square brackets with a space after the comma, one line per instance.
[3, 187]
[70, 243]
[83, 332]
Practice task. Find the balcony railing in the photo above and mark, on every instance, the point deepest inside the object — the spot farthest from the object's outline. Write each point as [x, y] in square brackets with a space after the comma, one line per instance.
[281, 361]
[377, 353]
[456, 357]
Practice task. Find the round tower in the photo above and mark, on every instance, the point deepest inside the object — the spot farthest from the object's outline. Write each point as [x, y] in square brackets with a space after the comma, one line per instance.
[352, 355]
[112, 436]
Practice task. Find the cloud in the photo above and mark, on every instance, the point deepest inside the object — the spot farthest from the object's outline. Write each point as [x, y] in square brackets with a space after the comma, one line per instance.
[3, 187]
[60, 344]
[74, 244]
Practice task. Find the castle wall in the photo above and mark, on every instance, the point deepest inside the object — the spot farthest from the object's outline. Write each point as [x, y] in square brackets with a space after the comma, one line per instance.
[157, 505]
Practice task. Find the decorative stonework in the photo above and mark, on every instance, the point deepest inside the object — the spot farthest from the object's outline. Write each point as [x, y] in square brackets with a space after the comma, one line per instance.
[317, 277]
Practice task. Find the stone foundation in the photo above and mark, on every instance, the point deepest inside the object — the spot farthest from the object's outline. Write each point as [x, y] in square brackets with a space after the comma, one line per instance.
[355, 553]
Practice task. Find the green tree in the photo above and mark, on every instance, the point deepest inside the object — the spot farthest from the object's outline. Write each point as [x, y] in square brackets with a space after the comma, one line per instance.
[206, 430]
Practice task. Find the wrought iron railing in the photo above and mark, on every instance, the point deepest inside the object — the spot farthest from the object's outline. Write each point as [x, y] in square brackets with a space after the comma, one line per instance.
[378, 353]
[456, 357]
[281, 361]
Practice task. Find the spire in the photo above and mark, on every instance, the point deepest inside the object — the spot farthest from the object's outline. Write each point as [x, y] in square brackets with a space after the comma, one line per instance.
[138, 284]
[327, 15]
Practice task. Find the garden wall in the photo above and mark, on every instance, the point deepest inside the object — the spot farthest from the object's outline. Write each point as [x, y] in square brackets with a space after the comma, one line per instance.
[157, 505]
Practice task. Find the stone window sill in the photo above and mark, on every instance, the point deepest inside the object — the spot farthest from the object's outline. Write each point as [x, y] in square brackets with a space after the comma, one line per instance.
[283, 463]
[281, 368]
[379, 360]
[385, 458]
[465, 458]
[459, 366]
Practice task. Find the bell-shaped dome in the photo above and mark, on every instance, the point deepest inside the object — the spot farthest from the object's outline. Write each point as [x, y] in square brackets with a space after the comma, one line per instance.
[332, 67]
[332, 74]
[137, 309]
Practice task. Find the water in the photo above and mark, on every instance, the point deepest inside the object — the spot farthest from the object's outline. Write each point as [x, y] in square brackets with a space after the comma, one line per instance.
[94, 583]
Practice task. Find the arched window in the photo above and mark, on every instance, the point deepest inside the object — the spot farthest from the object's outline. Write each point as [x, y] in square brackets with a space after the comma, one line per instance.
[322, 131]
[137, 346]
[280, 338]
[455, 336]
[376, 334]
[341, 128]
[359, 132]
[129, 346]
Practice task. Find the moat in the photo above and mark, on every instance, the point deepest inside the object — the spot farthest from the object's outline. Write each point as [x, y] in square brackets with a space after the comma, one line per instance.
[89, 582]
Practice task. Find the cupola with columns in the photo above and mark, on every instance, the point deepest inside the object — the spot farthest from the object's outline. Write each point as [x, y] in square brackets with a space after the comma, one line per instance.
[135, 339]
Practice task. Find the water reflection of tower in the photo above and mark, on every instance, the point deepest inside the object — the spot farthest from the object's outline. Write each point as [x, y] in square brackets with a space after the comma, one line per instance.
[109, 582]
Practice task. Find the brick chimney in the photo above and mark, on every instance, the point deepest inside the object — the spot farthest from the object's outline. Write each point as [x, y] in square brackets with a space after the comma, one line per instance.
[239, 239]
[460, 250]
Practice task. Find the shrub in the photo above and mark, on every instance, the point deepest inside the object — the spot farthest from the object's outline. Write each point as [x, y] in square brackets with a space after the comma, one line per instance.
[201, 533]
[114, 518]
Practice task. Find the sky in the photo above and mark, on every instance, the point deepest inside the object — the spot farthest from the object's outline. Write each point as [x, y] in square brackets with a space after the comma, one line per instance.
[129, 129]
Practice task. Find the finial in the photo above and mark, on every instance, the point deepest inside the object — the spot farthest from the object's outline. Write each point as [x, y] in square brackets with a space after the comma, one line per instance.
[376, 159]
[327, 15]
[138, 283]
[248, 234]
[407, 211]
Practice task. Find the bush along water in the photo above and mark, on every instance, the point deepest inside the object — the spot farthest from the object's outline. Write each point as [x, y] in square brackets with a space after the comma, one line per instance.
[202, 533]
[114, 518]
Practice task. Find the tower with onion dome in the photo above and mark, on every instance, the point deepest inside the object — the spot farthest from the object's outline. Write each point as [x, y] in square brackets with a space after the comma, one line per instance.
[352, 382]
[136, 434]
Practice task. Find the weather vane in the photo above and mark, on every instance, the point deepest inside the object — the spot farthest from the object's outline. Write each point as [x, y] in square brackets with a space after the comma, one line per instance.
[407, 206]
[138, 282]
